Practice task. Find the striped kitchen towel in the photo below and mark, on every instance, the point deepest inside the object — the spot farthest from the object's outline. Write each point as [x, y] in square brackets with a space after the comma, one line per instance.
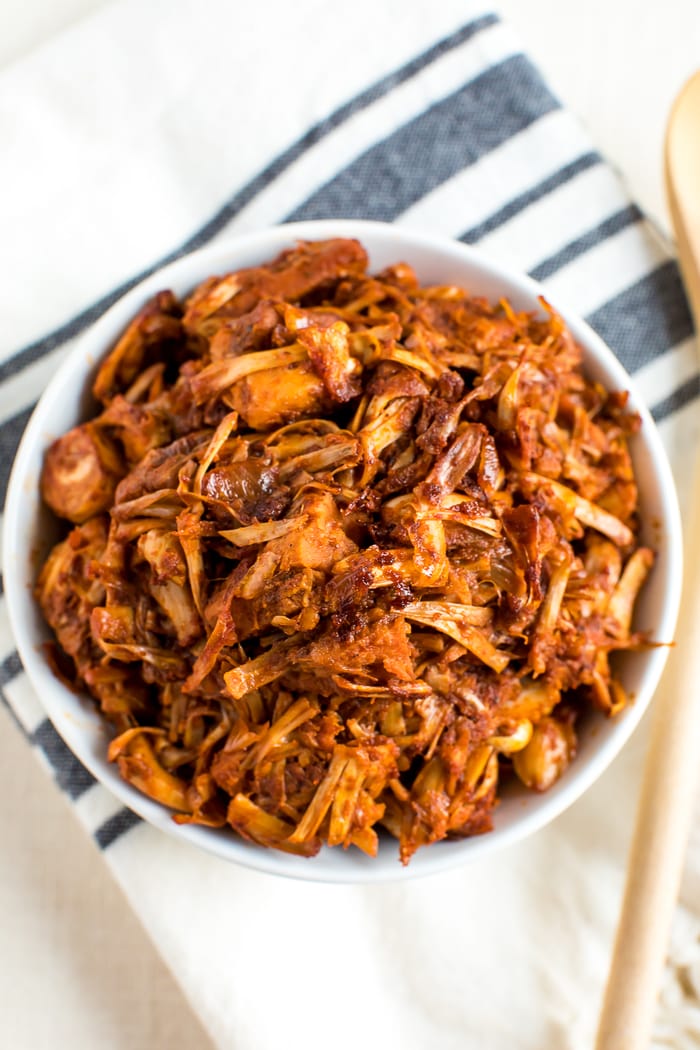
[149, 130]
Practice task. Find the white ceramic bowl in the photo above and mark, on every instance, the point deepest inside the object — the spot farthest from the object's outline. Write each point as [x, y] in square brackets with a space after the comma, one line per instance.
[30, 530]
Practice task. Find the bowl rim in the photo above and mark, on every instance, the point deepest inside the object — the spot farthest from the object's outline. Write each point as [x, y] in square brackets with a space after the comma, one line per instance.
[93, 344]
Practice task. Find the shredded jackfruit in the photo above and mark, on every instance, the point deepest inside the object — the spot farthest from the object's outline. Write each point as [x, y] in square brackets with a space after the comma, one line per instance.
[347, 552]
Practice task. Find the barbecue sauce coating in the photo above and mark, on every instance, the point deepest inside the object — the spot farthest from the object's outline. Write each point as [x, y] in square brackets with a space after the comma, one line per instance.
[346, 552]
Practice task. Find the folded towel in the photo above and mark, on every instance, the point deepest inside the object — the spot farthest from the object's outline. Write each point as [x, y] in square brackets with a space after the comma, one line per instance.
[151, 129]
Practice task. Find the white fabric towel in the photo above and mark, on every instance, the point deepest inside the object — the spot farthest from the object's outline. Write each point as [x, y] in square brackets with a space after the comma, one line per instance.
[152, 128]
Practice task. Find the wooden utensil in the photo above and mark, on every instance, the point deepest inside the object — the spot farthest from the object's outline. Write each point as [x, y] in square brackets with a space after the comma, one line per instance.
[672, 770]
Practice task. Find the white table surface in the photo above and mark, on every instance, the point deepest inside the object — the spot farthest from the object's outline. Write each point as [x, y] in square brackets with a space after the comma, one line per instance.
[76, 969]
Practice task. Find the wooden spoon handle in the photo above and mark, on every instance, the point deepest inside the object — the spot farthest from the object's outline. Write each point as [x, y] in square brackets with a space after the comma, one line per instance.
[661, 836]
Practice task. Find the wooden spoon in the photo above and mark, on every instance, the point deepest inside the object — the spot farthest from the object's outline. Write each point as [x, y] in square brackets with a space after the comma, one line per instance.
[683, 186]
[672, 770]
